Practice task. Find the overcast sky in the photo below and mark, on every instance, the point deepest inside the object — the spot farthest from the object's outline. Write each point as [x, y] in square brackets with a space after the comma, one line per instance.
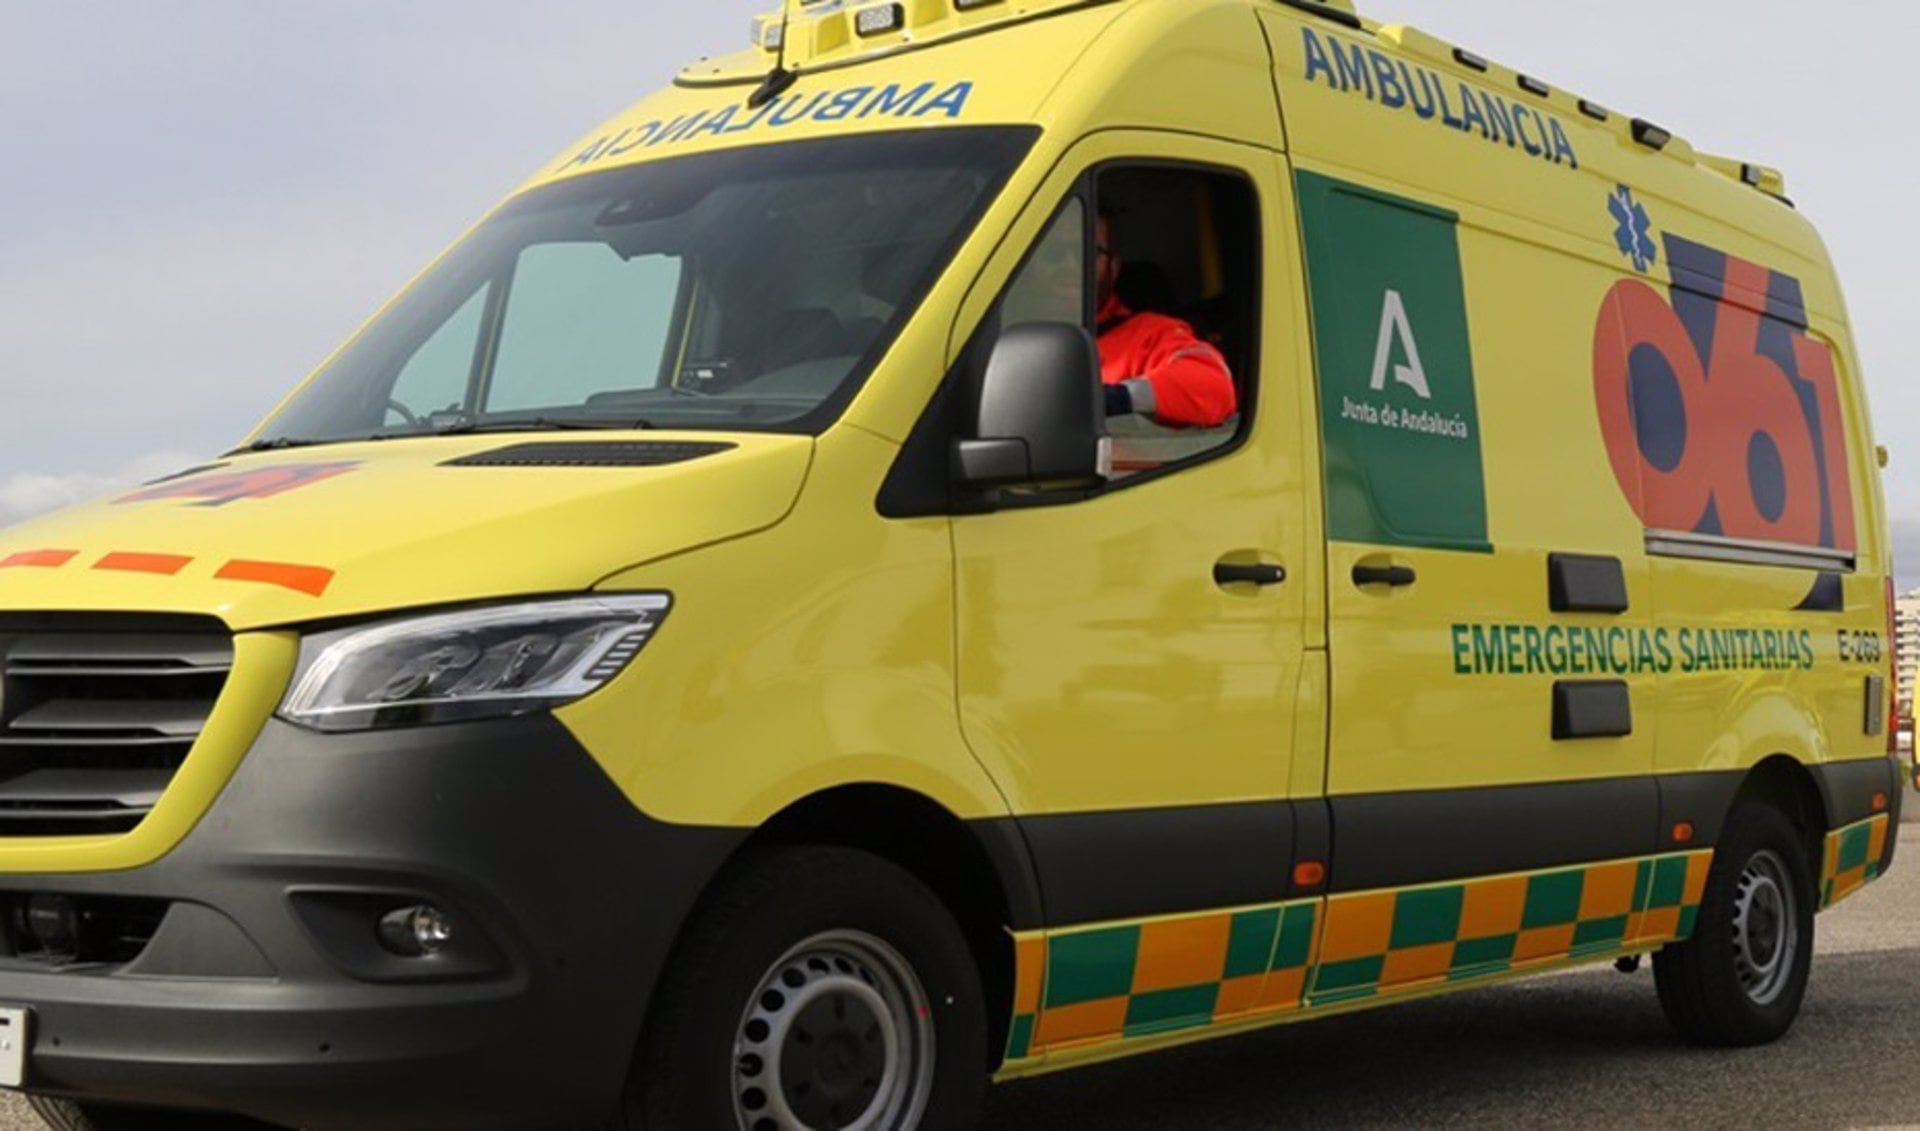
[200, 198]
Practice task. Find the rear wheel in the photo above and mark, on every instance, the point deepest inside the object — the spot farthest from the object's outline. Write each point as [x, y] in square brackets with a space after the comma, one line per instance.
[1742, 976]
[818, 989]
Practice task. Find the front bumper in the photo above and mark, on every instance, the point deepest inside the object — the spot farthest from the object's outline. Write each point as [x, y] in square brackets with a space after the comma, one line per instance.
[265, 991]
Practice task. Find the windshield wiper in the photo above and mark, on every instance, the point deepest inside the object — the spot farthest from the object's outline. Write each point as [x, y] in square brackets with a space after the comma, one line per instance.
[280, 444]
[286, 443]
[541, 424]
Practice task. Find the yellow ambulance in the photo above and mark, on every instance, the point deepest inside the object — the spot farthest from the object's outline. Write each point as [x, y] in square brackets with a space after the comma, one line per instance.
[742, 643]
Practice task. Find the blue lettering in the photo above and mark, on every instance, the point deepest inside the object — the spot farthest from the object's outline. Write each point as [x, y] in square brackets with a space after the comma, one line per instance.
[1415, 89]
[1499, 121]
[785, 116]
[1317, 63]
[1446, 108]
[1471, 115]
[1353, 71]
[677, 130]
[890, 100]
[718, 124]
[953, 100]
[1521, 115]
[753, 121]
[588, 155]
[1392, 95]
[1562, 144]
[843, 104]
[641, 136]
[1395, 84]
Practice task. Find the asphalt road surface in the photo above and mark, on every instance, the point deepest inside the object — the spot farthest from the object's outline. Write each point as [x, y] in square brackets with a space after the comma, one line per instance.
[1583, 1049]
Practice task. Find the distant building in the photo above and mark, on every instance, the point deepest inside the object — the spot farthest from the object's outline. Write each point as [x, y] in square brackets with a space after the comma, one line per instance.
[1906, 650]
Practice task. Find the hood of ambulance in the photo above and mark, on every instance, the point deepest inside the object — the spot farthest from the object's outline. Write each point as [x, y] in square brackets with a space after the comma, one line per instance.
[353, 529]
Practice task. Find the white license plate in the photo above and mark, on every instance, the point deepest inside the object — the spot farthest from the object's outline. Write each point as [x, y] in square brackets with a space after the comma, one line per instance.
[13, 1047]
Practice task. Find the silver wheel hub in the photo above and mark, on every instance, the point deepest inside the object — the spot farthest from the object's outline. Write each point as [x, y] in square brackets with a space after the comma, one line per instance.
[837, 1037]
[1766, 928]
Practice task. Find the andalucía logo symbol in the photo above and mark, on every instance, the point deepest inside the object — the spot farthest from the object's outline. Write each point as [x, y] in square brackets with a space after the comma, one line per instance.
[1634, 233]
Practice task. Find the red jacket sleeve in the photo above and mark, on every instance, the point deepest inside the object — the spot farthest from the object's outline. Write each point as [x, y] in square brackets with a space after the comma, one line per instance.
[1192, 386]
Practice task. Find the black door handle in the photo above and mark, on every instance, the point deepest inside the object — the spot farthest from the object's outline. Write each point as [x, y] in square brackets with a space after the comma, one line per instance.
[1227, 573]
[1395, 576]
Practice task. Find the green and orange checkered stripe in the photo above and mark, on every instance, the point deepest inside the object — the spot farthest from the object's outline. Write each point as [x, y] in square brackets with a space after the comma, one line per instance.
[1852, 858]
[1415, 938]
[1159, 976]
[1090, 986]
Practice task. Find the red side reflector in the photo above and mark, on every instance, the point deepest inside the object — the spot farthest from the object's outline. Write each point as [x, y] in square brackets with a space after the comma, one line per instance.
[1879, 802]
[1309, 874]
[1683, 833]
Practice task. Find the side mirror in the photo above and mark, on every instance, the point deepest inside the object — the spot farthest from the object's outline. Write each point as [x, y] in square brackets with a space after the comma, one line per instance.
[1041, 416]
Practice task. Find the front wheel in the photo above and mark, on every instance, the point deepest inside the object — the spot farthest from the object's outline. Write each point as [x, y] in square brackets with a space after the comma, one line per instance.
[1740, 979]
[818, 989]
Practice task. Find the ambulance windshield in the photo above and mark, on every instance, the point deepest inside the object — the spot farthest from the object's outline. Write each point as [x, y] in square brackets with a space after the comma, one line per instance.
[749, 289]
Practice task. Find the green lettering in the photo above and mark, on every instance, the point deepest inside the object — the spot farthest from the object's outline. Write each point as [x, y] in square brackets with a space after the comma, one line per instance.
[1486, 650]
[1557, 650]
[1534, 663]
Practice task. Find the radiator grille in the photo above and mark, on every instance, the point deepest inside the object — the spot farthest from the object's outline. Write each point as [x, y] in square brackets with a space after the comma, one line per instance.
[96, 717]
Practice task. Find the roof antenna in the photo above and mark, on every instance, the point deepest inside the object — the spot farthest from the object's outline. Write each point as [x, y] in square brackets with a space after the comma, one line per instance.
[780, 80]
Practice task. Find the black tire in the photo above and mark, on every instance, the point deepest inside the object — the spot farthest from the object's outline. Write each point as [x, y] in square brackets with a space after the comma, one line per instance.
[66, 1115]
[776, 926]
[1740, 979]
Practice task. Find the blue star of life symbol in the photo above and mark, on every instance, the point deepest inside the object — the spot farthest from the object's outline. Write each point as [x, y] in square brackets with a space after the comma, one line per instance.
[1635, 231]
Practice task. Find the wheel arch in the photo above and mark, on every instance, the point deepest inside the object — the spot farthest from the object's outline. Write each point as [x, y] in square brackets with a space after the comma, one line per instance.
[1787, 785]
[980, 869]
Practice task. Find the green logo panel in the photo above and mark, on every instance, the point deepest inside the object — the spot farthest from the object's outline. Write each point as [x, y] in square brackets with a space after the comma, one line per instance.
[1398, 411]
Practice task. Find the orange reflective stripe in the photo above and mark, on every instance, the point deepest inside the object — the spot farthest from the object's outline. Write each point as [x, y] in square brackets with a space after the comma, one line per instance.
[165, 564]
[311, 580]
[39, 559]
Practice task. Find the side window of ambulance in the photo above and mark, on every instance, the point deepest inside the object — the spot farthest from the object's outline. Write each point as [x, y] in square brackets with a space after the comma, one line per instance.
[1177, 275]
[582, 320]
[435, 378]
[1052, 287]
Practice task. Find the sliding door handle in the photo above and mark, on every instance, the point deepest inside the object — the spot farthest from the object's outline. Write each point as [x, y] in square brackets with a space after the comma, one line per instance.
[1232, 573]
[1396, 576]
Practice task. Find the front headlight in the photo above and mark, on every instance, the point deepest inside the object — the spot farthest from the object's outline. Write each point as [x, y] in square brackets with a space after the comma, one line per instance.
[475, 664]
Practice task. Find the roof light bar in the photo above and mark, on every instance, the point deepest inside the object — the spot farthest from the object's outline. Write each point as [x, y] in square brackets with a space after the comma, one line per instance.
[1534, 86]
[1650, 135]
[970, 5]
[881, 20]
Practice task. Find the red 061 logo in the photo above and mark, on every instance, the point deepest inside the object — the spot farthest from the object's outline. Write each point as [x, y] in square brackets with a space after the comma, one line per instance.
[1721, 419]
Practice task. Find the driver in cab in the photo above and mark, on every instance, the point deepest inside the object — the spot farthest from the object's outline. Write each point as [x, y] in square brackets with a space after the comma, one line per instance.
[1154, 365]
